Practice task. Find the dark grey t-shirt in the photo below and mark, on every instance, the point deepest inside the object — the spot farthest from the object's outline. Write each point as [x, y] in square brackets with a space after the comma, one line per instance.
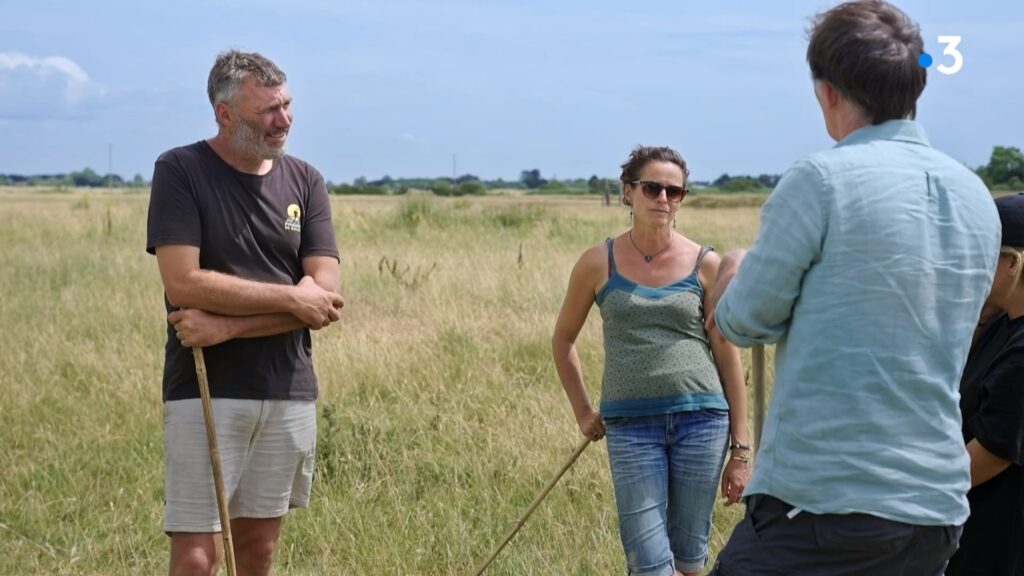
[254, 227]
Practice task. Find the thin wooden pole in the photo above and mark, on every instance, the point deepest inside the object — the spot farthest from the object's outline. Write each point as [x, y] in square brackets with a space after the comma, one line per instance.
[218, 480]
[536, 502]
[757, 366]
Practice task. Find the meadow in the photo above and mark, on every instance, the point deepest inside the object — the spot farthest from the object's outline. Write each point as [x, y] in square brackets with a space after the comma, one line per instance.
[440, 414]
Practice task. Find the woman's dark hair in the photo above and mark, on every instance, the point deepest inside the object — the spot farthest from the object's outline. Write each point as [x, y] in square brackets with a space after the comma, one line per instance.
[868, 50]
[642, 155]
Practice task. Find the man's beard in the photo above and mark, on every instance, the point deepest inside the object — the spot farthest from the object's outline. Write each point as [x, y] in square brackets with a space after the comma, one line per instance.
[247, 138]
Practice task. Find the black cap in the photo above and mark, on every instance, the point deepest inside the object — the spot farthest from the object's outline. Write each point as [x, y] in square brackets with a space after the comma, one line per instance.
[1011, 214]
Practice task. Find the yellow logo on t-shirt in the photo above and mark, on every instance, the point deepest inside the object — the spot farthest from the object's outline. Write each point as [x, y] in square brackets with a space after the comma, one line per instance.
[293, 223]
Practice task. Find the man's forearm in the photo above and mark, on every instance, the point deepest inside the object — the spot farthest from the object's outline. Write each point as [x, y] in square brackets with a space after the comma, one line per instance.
[327, 280]
[228, 295]
[263, 325]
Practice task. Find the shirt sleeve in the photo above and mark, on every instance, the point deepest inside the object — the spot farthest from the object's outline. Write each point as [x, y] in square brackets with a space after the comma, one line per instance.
[318, 230]
[173, 208]
[758, 303]
[999, 423]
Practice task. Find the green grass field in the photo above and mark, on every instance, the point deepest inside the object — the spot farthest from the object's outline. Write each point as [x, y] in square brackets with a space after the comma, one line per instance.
[440, 413]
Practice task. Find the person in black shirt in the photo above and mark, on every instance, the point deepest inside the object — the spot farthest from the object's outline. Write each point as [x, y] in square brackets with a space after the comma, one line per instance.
[243, 238]
[992, 404]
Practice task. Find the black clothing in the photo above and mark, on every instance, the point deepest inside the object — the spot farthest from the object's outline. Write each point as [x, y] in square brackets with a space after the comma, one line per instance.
[992, 404]
[257, 227]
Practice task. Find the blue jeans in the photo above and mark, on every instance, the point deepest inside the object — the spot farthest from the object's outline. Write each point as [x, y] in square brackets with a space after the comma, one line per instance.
[666, 474]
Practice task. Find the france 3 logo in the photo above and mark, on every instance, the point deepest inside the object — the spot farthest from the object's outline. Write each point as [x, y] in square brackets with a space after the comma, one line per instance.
[951, 42]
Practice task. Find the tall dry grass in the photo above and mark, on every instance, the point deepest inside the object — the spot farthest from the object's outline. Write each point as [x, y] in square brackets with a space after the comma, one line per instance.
[440, 413]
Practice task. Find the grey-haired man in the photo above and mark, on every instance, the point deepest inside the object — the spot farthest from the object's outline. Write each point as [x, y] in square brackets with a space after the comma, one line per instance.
[243, 238]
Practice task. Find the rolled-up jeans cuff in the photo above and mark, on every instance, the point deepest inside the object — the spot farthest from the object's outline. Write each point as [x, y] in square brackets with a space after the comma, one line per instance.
[665, 569]
[690, 565]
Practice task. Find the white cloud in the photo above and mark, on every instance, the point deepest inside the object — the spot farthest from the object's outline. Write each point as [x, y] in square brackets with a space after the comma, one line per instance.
[31, 78]
[74, 72]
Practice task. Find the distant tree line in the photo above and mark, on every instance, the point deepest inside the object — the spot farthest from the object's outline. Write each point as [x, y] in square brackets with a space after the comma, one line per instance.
[530, 181]
[1004, 171]
[465, 185]
[87, 178]
[533, 182]
[743, 183]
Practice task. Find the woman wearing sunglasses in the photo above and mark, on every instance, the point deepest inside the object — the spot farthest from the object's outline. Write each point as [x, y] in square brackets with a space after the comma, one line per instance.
[672, 399]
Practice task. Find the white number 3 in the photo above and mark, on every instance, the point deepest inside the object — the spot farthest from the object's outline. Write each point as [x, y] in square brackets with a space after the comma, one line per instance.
[958, 59]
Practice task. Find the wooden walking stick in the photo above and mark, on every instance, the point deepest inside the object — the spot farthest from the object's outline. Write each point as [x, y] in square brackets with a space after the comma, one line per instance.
[536, 502]
[757, 367]
[218, 480]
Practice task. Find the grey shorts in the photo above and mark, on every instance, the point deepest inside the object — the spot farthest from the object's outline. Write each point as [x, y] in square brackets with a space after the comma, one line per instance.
[266, 456]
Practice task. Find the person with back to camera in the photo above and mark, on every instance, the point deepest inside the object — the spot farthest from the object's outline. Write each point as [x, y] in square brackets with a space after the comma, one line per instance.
[992, 404]
[869, 271]
[672, 398]
[243, 237]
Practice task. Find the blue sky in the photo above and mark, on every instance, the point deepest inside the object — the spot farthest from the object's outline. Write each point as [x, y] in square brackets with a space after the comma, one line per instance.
[397, 88]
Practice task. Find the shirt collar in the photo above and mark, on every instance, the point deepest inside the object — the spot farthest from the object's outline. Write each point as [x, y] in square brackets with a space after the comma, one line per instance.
[901, 130]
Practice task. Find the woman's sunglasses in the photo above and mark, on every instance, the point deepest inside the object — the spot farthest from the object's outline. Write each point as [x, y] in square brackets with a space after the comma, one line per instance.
[653, 190]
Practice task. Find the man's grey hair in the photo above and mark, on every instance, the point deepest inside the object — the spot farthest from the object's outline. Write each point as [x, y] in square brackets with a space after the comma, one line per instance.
[232, 68]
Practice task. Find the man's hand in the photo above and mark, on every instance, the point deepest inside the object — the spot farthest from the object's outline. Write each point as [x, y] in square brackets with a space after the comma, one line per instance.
[314, 306]
[198, 329]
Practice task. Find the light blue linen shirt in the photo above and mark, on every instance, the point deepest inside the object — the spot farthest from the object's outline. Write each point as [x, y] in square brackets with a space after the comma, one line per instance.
[869, 270]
